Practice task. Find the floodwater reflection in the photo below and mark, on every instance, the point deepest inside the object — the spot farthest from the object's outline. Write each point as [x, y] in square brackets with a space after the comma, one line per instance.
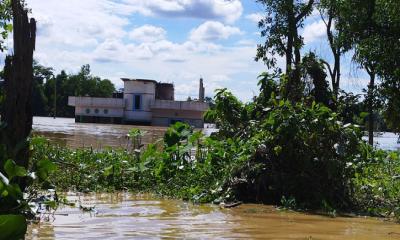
[126, 216]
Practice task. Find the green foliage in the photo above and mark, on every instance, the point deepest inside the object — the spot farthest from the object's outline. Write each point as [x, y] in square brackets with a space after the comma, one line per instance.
[229, 113]
[280, 27]
[12, 227]
[5, 26]
[377, 182]
[315, 77]
[49, 89]
[288, 203]
[15, 205]
[297, 151]
[12, 170]
[135, 135]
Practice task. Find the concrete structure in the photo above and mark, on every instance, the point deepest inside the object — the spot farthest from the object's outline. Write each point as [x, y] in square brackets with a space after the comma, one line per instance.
[144, 102]
[201, 90]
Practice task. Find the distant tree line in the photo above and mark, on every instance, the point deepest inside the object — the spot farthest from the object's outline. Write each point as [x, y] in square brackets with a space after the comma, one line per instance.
[51, 92]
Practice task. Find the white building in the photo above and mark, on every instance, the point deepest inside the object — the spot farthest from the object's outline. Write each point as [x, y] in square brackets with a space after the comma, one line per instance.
[144, 102]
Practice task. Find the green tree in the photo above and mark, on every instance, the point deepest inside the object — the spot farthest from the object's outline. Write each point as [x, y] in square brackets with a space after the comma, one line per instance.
[82, 83]
[330, 14]
[41, 75]
[283, 18]
[105, 88]
[372, 28]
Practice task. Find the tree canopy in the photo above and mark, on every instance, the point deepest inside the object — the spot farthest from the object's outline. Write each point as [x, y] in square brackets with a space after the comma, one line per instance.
[51, 89]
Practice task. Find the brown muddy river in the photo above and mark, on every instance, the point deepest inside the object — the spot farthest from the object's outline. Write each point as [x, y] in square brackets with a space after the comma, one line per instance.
[65, 132]
[125, 216]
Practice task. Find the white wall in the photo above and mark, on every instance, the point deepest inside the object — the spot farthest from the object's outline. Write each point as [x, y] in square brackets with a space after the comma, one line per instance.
[112, 112]
[140, 87]
[114, 107]
[147, 89]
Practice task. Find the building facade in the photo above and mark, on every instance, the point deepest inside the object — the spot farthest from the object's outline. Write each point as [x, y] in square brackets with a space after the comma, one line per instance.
[143, 102]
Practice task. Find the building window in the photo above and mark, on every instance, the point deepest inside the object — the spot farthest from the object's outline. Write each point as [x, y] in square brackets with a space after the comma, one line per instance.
[105, 111]
[96, 111]
[87, 111]
[137, 102]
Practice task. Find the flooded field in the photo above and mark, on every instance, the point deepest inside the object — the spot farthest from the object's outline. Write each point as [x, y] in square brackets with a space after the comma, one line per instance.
[125, 216]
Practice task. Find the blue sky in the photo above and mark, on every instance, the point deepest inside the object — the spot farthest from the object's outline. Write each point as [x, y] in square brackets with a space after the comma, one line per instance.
[175, 41]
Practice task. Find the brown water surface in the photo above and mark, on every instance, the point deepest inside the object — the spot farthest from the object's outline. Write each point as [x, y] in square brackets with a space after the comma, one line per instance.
[65, 132]
[126, 216]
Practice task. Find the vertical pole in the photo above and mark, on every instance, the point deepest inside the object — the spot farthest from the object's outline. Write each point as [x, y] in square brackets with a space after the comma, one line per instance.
[55, 98]
[371, 120]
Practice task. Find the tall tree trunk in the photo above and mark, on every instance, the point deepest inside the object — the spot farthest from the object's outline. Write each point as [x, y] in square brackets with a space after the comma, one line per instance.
[18, 77]
[338, 72]
[290, 85]
[293, 90]
[371, 120]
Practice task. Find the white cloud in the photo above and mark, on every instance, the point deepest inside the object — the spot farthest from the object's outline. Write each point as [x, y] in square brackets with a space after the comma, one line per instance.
[212, 30]
[227, 11]
[147, 33]
[98, 32]
[255, 17]
[314, 31]
[76, 23]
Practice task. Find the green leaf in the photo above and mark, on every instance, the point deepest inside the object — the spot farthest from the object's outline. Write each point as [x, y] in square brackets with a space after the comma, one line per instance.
[44, 168]
[9, 27]
[14, 191]
[108, 171]
[12, 227]
[13, 170]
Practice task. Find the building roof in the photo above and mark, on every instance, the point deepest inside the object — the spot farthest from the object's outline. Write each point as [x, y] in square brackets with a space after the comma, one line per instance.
[139, 80]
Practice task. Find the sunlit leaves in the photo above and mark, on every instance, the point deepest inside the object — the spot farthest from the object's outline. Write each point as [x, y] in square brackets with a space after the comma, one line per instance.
[13, 170]
[44, 168]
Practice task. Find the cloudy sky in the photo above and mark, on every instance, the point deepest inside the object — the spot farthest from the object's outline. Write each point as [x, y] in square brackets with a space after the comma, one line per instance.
[167, 40]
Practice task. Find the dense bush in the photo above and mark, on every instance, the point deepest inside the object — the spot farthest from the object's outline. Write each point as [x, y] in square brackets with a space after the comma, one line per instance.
[376, 182]
[299, 152]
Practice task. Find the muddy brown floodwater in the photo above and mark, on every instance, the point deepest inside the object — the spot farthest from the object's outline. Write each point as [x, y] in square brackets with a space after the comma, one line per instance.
[65, 132]
[125, 216]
